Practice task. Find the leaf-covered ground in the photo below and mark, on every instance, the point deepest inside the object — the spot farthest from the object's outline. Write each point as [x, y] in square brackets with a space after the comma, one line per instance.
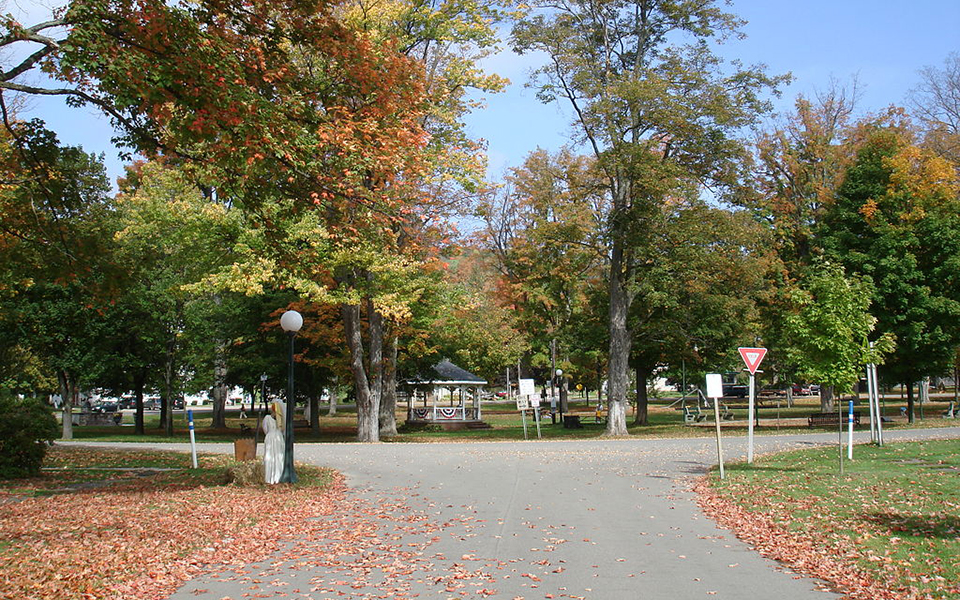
[110, 524]
[889, 527]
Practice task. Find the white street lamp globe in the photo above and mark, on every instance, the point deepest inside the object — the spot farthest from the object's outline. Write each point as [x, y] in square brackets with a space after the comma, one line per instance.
[291, 321]
[559, 372]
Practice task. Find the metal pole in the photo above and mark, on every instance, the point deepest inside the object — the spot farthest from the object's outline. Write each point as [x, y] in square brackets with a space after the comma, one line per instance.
[716, 414]
[876, 392]
[289, 475]
[750, 411]
[553, 375]
[840, 433]
[536, 419]
[873, 414]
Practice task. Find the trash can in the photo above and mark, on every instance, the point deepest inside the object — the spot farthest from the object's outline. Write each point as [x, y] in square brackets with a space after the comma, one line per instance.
[245, 449]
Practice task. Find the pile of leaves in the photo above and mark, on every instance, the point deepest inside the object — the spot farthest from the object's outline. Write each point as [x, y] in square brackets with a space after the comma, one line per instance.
[887, 528]
[87, 530]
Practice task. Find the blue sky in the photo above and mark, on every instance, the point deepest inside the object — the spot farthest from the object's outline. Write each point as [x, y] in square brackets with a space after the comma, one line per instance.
[882, 42]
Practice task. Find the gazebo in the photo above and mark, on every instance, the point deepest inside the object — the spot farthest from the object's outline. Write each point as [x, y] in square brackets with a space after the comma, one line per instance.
[447, 394]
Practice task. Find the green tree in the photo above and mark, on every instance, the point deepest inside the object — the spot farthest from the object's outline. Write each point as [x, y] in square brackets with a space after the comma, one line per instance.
[896, 221]
[829, 329]
[171, 238]
[56, 274]
[701, 278]
[660, 113]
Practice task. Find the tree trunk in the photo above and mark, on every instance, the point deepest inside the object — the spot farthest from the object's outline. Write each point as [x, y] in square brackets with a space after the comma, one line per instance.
[139, 381]
[368, 429]
[910, 405]
[388, 401]
[219, 391]
[640, 418]
[375, 366]
[790, 396]
[332, 407]
[166, 411]
[66, 394]
[314, 413]
[956, 387]
[619, 369]
[826, 398]
[599, 385]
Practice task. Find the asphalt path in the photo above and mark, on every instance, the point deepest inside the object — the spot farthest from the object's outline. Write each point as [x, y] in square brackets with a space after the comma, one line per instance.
[599, 519]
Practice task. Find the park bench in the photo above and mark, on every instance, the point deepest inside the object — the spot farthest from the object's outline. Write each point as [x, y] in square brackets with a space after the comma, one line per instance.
[96, 419]
[695, 414]
[831, 418]
[692, 414]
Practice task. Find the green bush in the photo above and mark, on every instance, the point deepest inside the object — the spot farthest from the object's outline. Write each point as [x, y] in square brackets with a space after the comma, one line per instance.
[26, 426]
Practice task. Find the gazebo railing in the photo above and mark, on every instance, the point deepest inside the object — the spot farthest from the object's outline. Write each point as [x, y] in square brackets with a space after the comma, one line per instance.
[445, 413]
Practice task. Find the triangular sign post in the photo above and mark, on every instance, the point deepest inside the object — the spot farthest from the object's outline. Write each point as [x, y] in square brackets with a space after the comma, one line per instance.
[752, 357]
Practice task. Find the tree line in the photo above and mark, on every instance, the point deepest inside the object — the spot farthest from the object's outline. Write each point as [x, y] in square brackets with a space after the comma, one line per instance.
[313, 155]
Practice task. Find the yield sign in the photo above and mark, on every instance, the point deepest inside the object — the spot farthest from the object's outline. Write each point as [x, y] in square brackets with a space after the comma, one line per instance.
[752, 357]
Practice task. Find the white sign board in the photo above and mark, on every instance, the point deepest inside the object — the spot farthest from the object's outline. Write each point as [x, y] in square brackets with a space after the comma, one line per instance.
[535, 400]
[523, 402]
[714, 385]
[527, 388]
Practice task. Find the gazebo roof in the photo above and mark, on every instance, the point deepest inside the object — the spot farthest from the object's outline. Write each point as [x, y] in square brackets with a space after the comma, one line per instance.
[447, 373]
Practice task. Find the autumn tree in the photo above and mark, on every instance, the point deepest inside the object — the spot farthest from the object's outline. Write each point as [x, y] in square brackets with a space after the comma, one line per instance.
[472, 328]
[896, 222]
[542, 229]
[658, 110]
[800, 163]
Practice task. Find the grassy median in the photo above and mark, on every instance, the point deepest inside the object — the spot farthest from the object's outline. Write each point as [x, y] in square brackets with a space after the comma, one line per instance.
[890, 522]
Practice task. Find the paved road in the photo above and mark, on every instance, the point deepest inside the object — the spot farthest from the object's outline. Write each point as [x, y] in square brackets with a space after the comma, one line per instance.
[604, 520]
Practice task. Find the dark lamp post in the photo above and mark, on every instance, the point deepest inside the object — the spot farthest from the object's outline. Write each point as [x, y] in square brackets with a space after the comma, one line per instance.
[291, 322]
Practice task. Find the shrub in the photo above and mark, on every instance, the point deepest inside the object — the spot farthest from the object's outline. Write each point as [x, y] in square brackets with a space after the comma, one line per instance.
[26, 426]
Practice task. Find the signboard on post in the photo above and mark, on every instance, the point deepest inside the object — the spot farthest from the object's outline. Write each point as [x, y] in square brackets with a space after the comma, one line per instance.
[528, 399]
[715, 391]
[752, 357]
[527, 387]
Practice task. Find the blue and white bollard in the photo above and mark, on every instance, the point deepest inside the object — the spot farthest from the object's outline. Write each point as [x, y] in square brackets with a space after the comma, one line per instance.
[850, 432]
[193, 439]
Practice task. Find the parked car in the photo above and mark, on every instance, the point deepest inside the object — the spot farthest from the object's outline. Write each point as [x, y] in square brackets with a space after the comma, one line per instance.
[106, 407]
[735, 390]
[801, 390]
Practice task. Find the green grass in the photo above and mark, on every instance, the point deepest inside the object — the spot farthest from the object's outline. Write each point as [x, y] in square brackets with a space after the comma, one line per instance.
[895, 508]
[67, 468]
[506, 422]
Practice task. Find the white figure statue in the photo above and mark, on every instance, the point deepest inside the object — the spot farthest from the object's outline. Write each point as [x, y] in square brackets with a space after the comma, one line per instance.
[272, 450]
